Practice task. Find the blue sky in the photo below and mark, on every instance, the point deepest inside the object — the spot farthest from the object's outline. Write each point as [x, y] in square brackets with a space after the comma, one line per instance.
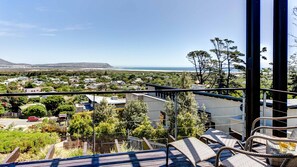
[123, 32]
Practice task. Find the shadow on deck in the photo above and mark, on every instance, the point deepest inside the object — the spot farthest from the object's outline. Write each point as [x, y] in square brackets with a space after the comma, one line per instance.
[151, 158]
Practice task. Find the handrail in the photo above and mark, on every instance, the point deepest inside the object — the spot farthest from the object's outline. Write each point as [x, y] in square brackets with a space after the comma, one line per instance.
[279, 91]
[117, 92]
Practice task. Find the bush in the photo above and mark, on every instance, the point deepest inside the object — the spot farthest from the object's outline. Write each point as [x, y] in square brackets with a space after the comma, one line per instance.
[28, 142]
[34, 100]
[36, 110]
[52, 103]
[68, 109]
[2, 110]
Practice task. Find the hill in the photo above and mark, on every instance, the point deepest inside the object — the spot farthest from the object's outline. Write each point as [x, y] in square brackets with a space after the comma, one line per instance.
[4, 62]
[7, 64]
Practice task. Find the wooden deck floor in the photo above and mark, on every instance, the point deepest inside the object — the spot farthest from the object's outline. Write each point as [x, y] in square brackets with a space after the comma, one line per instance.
[149, 158]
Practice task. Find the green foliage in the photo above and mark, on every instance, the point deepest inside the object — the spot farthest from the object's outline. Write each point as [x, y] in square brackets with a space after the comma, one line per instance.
[34, 100]
[104, 111]
[3, 88]
[2, 110]
[28, 142]
[189, 122]
[68, 109]
[46, 89]
[63, 88]
[133, 114]
[16, 102]
[49, 126]
[145, 129]
[79, 98]
[29, 85]
[52, 103]
[35, 110]
[80, 126]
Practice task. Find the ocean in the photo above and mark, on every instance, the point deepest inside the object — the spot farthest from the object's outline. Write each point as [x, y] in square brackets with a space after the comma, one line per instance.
[164, 69]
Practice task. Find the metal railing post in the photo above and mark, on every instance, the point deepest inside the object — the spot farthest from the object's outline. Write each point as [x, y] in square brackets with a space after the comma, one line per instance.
[243, 117]
[264, 106]
[175, 115]
[94, 135]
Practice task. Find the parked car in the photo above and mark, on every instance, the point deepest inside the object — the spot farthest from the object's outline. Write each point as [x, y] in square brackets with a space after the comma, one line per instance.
[33, 119]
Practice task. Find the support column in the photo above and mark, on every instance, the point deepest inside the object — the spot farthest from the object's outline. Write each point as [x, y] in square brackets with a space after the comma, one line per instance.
[252, 63]
[280, 58]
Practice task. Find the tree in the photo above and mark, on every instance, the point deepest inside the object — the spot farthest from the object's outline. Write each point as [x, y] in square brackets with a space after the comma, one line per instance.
[29, 85]
[203, 64]
[52, 103]
[35, 110]
[80, 126]
[68, 109]
[190, 123]
[104, 111]
[145, 129]
[16, 102]
[133, 114]
[219, 52]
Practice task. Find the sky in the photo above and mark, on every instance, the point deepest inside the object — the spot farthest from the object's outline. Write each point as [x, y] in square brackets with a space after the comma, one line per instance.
[125, 32]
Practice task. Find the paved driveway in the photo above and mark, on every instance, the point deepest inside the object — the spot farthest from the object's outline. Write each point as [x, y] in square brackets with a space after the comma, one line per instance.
[17, 122]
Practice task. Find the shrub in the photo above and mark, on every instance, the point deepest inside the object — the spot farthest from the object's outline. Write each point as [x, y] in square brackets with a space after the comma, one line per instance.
[52, 103]
[28, 142]
[68, 109]
[34, 100]
[36, 110]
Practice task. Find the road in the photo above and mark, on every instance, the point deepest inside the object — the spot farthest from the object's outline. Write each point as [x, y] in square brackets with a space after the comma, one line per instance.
[17, 122]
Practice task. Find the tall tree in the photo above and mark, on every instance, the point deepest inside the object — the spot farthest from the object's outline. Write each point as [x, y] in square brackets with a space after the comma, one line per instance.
[190, 123]
[220, 56]
[203, 64]
[133, 114]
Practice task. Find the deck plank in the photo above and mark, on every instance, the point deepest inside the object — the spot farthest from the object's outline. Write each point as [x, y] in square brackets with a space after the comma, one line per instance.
[147, 158]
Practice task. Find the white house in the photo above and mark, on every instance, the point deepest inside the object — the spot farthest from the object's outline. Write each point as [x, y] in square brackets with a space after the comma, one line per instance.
[32, 90]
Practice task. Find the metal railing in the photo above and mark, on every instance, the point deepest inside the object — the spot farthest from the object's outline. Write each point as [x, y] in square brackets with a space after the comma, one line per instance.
[156, 111]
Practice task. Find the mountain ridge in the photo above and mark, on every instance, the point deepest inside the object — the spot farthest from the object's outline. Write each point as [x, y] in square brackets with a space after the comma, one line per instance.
[5, 63]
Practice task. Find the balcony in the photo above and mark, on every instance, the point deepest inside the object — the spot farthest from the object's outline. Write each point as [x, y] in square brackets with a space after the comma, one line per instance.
[224, 112]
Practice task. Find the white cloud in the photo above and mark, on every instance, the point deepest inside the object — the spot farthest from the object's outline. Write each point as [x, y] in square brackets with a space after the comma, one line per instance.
[16, 25]
[49, 29]
[7, 34]
[77, 27]
[48, 34]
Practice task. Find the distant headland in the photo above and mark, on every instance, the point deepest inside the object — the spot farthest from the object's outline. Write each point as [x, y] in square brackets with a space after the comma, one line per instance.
[9, 65]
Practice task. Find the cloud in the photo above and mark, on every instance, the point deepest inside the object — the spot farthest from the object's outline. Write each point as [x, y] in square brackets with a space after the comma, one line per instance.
[77, 27]
[7, 34]
[17, 25]
[49, 29]
[48, 34]
[41, 9]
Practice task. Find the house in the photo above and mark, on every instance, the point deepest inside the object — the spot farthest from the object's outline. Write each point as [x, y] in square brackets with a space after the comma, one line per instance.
[119, 82]
[106, 77]
[32, 90]
[137, 80]
[89, 80]
[119, 103]
[38, 83]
